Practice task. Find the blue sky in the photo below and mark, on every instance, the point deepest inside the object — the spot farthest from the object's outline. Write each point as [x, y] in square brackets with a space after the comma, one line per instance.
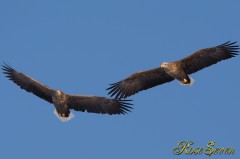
[80, 47]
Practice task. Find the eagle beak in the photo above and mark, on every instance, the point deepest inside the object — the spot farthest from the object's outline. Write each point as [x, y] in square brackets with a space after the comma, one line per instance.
[162, 65]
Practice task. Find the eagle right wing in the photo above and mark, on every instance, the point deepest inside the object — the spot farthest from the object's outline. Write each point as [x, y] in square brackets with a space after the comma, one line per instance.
[100, 105]
[206, 57]
[139, 81]
[27, 83]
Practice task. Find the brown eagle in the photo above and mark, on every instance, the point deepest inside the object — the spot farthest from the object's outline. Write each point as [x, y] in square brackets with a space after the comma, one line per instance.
[173, 70]
[64, 102]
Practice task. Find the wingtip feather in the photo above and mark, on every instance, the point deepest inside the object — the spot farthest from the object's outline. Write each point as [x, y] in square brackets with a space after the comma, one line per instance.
[125, 106]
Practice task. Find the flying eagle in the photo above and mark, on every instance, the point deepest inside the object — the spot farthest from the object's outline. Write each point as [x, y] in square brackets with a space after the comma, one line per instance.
[173, 70]
[64, 102]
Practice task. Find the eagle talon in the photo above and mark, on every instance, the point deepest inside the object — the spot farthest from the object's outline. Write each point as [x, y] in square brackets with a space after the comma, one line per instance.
[63, 119]
[185, 81]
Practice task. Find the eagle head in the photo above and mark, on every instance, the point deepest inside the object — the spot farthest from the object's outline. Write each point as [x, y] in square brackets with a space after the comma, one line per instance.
[164, 64]
[57, 94]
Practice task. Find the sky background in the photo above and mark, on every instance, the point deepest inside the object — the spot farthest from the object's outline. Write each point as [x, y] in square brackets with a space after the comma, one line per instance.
[80, 47]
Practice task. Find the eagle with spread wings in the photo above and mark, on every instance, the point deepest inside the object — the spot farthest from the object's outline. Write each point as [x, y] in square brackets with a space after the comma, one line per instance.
[173, 70]
[64, 102]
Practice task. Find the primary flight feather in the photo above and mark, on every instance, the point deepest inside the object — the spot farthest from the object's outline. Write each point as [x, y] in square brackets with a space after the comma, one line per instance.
[173, 70]
[64, 102]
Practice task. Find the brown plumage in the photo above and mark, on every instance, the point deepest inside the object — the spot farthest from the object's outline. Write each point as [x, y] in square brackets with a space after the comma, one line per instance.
[173, 70]
[64, 102]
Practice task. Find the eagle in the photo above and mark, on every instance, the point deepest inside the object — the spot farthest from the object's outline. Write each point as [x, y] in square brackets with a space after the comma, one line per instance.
[168, 71]
[64, 102]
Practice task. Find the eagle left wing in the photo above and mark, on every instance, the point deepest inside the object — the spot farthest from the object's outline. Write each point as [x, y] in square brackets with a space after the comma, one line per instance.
[139, 81]
[100, 105]
[209, 56]
[27, 83]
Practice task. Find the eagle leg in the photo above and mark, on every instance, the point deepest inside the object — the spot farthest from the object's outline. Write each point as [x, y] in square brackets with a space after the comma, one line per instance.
[192, 81]
[64, 119]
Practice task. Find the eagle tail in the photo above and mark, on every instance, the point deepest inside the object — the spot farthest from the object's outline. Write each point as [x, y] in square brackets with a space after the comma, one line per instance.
[192, 81]
[64, 119]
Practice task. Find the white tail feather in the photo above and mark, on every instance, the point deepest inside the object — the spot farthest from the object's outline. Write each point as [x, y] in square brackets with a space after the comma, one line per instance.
[192, 81]
[64, 119]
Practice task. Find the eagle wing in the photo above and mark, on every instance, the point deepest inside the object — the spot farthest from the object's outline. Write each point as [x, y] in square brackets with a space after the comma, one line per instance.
[27, 83]
[209, 56]
[139, 81]
[100, 105]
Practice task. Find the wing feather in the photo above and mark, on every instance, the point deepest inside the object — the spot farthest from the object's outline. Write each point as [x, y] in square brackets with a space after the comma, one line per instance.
[100, 105]
[137, 82]
[27, 83]
[209, 56]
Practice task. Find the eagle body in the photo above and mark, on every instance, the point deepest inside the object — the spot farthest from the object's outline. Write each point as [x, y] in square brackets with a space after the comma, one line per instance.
[179, 70]
[60, 102]
[174, 69]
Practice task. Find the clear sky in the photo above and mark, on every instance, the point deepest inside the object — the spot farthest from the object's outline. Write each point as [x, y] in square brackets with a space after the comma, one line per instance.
[80, 47]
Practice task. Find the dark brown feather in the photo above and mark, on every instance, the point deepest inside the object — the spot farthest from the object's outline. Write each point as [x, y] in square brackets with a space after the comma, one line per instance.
[209, 56]
[27, 83]
[101, 105]
[139, 81]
